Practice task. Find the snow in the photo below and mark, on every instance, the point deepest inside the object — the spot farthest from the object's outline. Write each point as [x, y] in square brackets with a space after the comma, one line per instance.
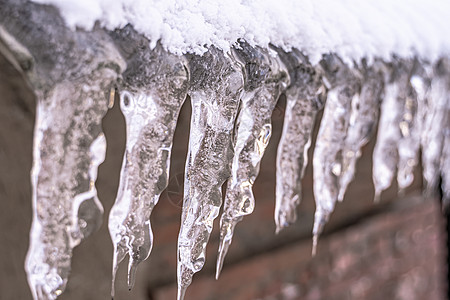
[350, 28]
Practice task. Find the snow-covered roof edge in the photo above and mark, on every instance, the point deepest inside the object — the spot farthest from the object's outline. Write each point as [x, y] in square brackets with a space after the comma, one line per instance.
[352, 29]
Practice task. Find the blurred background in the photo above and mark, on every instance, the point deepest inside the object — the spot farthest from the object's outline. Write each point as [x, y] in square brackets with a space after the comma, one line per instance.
[396, 249]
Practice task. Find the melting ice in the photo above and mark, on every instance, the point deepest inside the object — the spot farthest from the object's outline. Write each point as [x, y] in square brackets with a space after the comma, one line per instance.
[153, 90]
[344, 84]
[264, 80]
[305, 96]
[215, 90]
[232, 97]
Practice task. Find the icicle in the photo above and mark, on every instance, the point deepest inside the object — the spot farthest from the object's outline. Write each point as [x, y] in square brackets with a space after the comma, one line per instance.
[362, 122]
[264, 79]
[304, 97]
[432, 138]
[216, 86]
[344, 85]
[154, 89]
[408, 145]
[68, 147]
[385, 154]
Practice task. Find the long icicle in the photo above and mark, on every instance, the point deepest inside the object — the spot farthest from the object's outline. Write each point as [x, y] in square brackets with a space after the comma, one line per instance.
[68, 148]
[216, 85]
[153, 90]
[344, 84]
[362, 122]
[432, 138]
[385, 154]
[264, 80]
[304, 97]
[409, 142]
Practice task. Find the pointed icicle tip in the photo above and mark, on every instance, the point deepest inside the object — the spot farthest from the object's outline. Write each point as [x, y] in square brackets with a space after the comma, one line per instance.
[377, 197]
[314, 245]
[132, 268]
[218, 271]
[223, 247]
[181, 292]
[219, 265]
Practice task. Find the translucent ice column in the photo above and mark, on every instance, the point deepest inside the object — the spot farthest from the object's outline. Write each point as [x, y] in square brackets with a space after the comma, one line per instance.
[68, 147]
[344, 85]
[264, 80]
[385, 154]
[153, 90]
[434, 130]
[362, 122]
[216, 85]
[304, 97]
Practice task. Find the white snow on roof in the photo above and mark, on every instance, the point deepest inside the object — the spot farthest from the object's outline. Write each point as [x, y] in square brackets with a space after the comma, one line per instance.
[351, 28]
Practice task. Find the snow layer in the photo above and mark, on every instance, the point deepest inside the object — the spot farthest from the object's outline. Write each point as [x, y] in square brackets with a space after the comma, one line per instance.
[353, 29]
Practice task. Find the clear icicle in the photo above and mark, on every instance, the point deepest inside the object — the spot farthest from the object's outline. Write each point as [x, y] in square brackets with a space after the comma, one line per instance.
[264, 80]
[154, 89]
[304, 97]
[385, 154]
[216, 85]
[445, 160]
[432, 138]
[408, 145]
[68, 147]
[362, 122]
[344, 85]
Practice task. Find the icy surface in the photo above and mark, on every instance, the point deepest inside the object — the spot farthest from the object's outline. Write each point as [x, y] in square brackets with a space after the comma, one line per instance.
[153, 90]
[216, 85]
[353, 29]
[304, 97]
[68, 147]
[390, 130]
[362, 122]
[264, 80]
[344, 86]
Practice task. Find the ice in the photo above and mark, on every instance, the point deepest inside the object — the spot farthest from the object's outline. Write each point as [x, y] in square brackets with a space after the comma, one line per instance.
[305, 96]
[68, 147]
[391, 127]
[433, 130]
[409, 143]
[344, 85]
[362, 122]
[153, 90]
[216, 85]
[264, 80]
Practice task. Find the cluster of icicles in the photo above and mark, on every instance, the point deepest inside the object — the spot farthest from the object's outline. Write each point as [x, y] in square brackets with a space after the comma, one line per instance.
[232, 97]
